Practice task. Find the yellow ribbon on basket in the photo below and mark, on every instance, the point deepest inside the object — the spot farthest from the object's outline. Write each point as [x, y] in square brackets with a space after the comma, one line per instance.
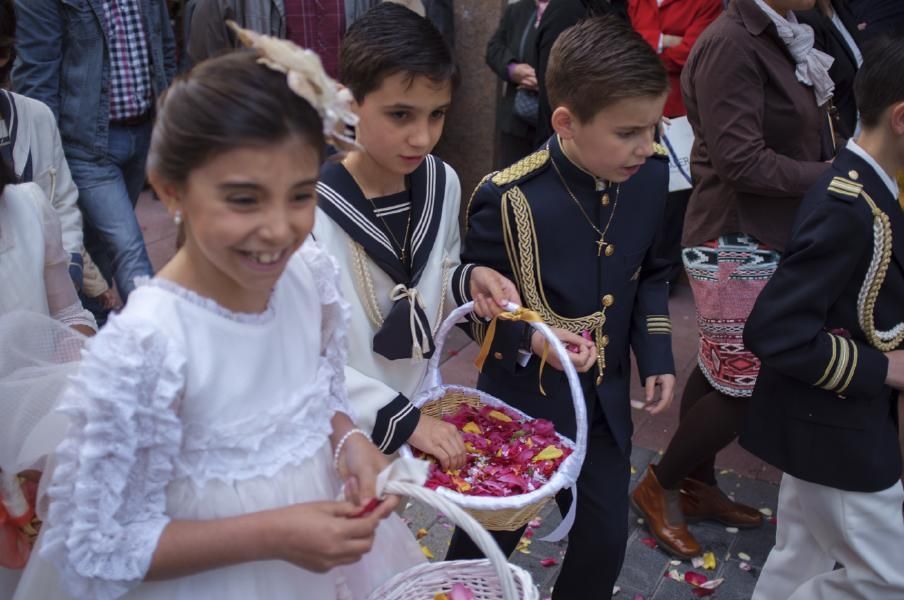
[519, 314]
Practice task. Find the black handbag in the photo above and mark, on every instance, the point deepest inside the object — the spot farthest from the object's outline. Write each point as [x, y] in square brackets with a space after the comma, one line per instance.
[527, 106]
[527, 102]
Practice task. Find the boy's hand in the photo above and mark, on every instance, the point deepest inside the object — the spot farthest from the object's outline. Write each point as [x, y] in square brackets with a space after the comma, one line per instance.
[491, 292]
[440, 440]
[667, 392]
[583, 359]
[895, 377]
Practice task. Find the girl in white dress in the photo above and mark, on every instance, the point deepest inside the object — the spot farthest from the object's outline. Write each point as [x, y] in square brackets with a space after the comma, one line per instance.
[210, 433]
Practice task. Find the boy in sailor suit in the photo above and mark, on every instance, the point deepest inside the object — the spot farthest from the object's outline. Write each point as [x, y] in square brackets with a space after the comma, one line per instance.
[829, 329]
[388, 212]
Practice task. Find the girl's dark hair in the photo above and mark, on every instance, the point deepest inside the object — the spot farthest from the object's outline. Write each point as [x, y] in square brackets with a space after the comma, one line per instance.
[390, 39]
[224, 103]
[7, 174]
[7, 38]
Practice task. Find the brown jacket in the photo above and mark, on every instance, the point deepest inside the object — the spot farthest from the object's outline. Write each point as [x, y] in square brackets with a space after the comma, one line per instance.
[760, 140]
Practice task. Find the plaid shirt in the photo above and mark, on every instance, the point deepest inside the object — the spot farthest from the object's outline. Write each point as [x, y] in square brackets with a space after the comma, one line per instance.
[130, 73]
[317, 25]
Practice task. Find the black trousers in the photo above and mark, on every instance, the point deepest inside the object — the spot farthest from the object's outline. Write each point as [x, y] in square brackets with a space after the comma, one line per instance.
[596, 542]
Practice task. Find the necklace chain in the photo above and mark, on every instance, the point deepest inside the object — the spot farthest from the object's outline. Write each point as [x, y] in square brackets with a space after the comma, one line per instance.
[402, 254]
[601, 243]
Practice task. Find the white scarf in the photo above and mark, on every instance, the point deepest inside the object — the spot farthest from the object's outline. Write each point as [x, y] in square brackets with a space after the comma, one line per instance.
[812, 65]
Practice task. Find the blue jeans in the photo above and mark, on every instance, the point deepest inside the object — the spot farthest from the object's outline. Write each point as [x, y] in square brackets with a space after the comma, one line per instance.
[108, 190]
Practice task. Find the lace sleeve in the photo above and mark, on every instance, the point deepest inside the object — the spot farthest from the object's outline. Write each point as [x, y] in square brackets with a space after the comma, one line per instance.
[107, 492]
[334, 326]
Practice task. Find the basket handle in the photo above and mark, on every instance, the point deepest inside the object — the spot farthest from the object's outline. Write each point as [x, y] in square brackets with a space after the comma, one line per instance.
[433, 378]
[477, 533]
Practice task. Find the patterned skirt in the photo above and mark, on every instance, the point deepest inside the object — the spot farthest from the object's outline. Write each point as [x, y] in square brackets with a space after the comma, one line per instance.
[726, 276]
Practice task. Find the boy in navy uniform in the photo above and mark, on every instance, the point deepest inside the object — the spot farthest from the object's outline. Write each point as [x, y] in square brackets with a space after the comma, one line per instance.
[574, 225]
[829, 329]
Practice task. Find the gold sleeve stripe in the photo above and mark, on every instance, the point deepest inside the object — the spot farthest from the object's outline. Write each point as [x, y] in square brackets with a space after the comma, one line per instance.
[850, 377]
[841, 367]
[825, 376]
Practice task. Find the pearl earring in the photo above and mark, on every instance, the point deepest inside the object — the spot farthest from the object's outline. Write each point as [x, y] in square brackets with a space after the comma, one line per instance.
[177, 217]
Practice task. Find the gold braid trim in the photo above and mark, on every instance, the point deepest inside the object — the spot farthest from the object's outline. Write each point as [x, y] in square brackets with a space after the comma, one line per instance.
[365, 284]
[524, 255]
[885, 341]
[471, 200]
[367, 291]
[522, 168]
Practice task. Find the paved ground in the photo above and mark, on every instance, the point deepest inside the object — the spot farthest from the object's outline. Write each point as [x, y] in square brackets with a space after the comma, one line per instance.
[645, 572]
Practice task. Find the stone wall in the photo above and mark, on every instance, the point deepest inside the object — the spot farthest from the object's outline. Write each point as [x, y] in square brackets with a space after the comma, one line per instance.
[469, 138]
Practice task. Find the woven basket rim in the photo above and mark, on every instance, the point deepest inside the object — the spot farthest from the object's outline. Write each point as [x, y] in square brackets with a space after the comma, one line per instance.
[403, 586]
[554, 485]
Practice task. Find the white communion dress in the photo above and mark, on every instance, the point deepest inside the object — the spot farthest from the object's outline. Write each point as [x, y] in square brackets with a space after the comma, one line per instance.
[183, 410]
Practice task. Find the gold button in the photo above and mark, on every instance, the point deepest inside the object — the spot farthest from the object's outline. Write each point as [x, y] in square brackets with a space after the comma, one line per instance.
[605, 199]
[604, 341]
[608, 300]
[853, 175]
[610, 249]
[497, 355]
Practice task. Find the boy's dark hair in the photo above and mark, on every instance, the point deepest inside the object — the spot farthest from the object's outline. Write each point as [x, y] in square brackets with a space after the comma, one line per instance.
[390, 39]
[7, 38]
[878, 83]
[224, 103]
[598, 62]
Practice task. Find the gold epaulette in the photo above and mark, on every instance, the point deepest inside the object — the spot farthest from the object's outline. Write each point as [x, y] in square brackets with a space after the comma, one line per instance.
[660, 150]
[522, 168]
[844, 188]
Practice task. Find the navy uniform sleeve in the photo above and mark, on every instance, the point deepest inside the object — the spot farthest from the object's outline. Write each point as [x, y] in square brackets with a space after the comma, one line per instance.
[484, 246]
[788, 327]
[651, 327]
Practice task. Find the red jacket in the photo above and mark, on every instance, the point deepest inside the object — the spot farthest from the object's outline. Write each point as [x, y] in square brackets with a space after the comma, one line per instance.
[684, 18]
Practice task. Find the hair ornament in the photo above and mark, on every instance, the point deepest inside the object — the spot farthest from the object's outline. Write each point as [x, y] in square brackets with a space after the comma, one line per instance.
[306, 77]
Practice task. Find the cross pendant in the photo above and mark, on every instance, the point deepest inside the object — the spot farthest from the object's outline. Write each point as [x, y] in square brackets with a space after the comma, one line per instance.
[600, 244]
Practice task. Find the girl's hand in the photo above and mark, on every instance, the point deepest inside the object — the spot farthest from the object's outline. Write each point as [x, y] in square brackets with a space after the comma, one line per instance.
[319, 536]
[359, 464]
[491, 292]
[440, 440]
[583, 358]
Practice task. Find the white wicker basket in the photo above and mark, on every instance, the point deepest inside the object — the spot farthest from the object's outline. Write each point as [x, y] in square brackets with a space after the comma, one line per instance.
[489, 579]
[512, 512]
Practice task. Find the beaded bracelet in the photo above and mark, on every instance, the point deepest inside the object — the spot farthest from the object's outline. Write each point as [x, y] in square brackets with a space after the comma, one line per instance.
[338, 451]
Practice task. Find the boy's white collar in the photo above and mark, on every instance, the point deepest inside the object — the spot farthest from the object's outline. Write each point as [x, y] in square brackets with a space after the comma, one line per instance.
[887, 179]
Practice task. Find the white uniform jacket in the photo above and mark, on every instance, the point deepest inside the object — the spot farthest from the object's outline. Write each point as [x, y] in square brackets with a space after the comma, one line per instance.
[396, 310]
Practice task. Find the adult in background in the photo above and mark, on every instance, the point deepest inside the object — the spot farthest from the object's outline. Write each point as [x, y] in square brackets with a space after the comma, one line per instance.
[672, 27]
[512, 54]
[30, 144]
[559, 16]
[878, 17]
[837, 35]
[315, 24]
[100, 66]
[749, 69]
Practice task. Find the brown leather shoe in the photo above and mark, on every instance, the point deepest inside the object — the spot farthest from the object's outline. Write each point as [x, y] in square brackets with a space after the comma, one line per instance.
[661, 510]
[700, 501]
